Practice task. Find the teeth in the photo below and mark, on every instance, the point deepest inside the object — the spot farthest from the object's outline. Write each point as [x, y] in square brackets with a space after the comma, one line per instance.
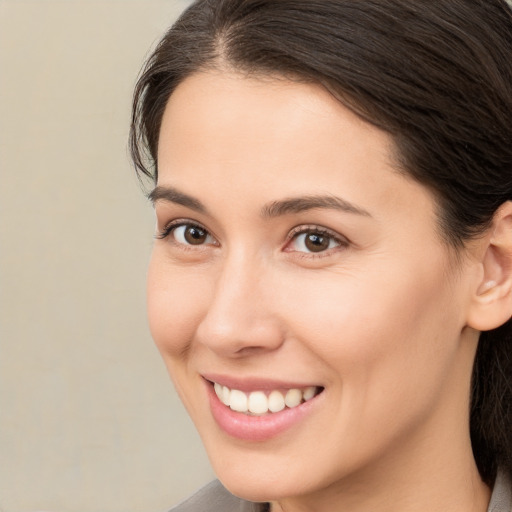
[276, 401]
[309, 393]
[238, 401]
[293, 398]
[225, 395]
[258, 402]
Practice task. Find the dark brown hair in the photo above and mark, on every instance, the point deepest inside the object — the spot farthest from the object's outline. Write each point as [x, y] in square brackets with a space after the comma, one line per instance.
[437, 76]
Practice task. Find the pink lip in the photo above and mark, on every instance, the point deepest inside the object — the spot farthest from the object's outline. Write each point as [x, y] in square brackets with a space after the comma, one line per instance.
[257, 428]
[248, 384]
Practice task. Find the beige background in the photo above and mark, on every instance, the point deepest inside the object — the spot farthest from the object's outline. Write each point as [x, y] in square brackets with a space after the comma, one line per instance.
[88, 418]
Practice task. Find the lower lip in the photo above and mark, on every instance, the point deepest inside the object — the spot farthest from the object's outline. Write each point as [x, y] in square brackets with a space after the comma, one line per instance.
[257, 428]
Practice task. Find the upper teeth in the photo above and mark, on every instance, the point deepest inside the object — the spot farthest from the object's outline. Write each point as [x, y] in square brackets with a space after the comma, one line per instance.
[259, 402]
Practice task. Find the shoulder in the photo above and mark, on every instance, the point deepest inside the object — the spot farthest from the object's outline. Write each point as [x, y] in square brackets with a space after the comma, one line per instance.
[214, 497]
[501, 499]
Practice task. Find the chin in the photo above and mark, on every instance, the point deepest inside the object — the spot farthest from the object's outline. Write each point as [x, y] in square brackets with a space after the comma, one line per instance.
[259, 487]
[260, 474]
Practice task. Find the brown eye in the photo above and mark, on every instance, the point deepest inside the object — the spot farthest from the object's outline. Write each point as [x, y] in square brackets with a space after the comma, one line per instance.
[190, 234]
[195, 235]
[314, 241]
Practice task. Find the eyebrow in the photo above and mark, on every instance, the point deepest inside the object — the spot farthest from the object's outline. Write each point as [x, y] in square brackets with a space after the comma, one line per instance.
[271, 210]
[173, 195]
[305, 203]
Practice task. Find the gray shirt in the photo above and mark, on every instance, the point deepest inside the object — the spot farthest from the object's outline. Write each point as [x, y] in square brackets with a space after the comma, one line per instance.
[215, 498]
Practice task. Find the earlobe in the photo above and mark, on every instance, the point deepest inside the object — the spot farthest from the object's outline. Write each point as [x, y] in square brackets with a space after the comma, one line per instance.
[491, 304]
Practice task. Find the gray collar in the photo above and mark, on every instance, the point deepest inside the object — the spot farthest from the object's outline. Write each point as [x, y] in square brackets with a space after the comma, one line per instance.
[501, 499]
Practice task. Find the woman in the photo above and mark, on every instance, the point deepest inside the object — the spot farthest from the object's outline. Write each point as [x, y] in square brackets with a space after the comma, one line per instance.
[330, 286]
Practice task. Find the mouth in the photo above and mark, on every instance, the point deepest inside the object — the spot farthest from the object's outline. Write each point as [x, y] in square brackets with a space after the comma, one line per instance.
[256, 410]
[258, 403]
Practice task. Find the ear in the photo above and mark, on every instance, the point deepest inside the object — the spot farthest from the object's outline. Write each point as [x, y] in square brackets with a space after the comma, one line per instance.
[491, 302]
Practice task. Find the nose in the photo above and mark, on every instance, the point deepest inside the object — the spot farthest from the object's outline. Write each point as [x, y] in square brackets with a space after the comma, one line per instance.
[242, 317]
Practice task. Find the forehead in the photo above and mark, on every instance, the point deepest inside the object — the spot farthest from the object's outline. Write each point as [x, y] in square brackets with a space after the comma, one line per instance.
[228, 137]
[238, 119]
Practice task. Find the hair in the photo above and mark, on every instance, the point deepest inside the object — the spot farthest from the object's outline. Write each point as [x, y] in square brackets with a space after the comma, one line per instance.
[436, 76]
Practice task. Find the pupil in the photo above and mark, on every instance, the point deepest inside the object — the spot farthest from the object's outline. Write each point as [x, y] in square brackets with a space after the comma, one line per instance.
[316, 242]
[195, 236]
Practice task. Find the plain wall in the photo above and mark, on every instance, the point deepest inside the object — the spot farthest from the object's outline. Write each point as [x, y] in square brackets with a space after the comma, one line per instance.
[88, 417]
[89, 421]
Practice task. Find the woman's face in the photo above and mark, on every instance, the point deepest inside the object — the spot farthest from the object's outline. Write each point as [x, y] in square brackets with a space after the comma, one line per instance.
[291, 255]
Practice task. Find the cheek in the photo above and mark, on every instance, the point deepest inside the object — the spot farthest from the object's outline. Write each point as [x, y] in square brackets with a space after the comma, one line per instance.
[174, 304]
[384, 332]
[388, 348]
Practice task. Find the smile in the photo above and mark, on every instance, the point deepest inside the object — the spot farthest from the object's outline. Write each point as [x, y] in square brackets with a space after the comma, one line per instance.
[259, 410]
[256, 410]
[263, 402]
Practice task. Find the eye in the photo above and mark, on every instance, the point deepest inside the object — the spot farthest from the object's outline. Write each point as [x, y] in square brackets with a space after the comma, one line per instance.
[187, 234]
[314, 240]
[191, 235]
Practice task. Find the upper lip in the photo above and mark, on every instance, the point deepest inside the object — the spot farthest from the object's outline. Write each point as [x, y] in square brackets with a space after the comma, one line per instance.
[254, 383]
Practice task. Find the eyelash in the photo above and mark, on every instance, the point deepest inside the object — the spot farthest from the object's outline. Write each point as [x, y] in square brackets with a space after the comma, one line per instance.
[176, 224]
[169, 228]
[293, 235]
[341, 242]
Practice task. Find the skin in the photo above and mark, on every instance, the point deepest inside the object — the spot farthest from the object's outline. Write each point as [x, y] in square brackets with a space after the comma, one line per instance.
[379, 319]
